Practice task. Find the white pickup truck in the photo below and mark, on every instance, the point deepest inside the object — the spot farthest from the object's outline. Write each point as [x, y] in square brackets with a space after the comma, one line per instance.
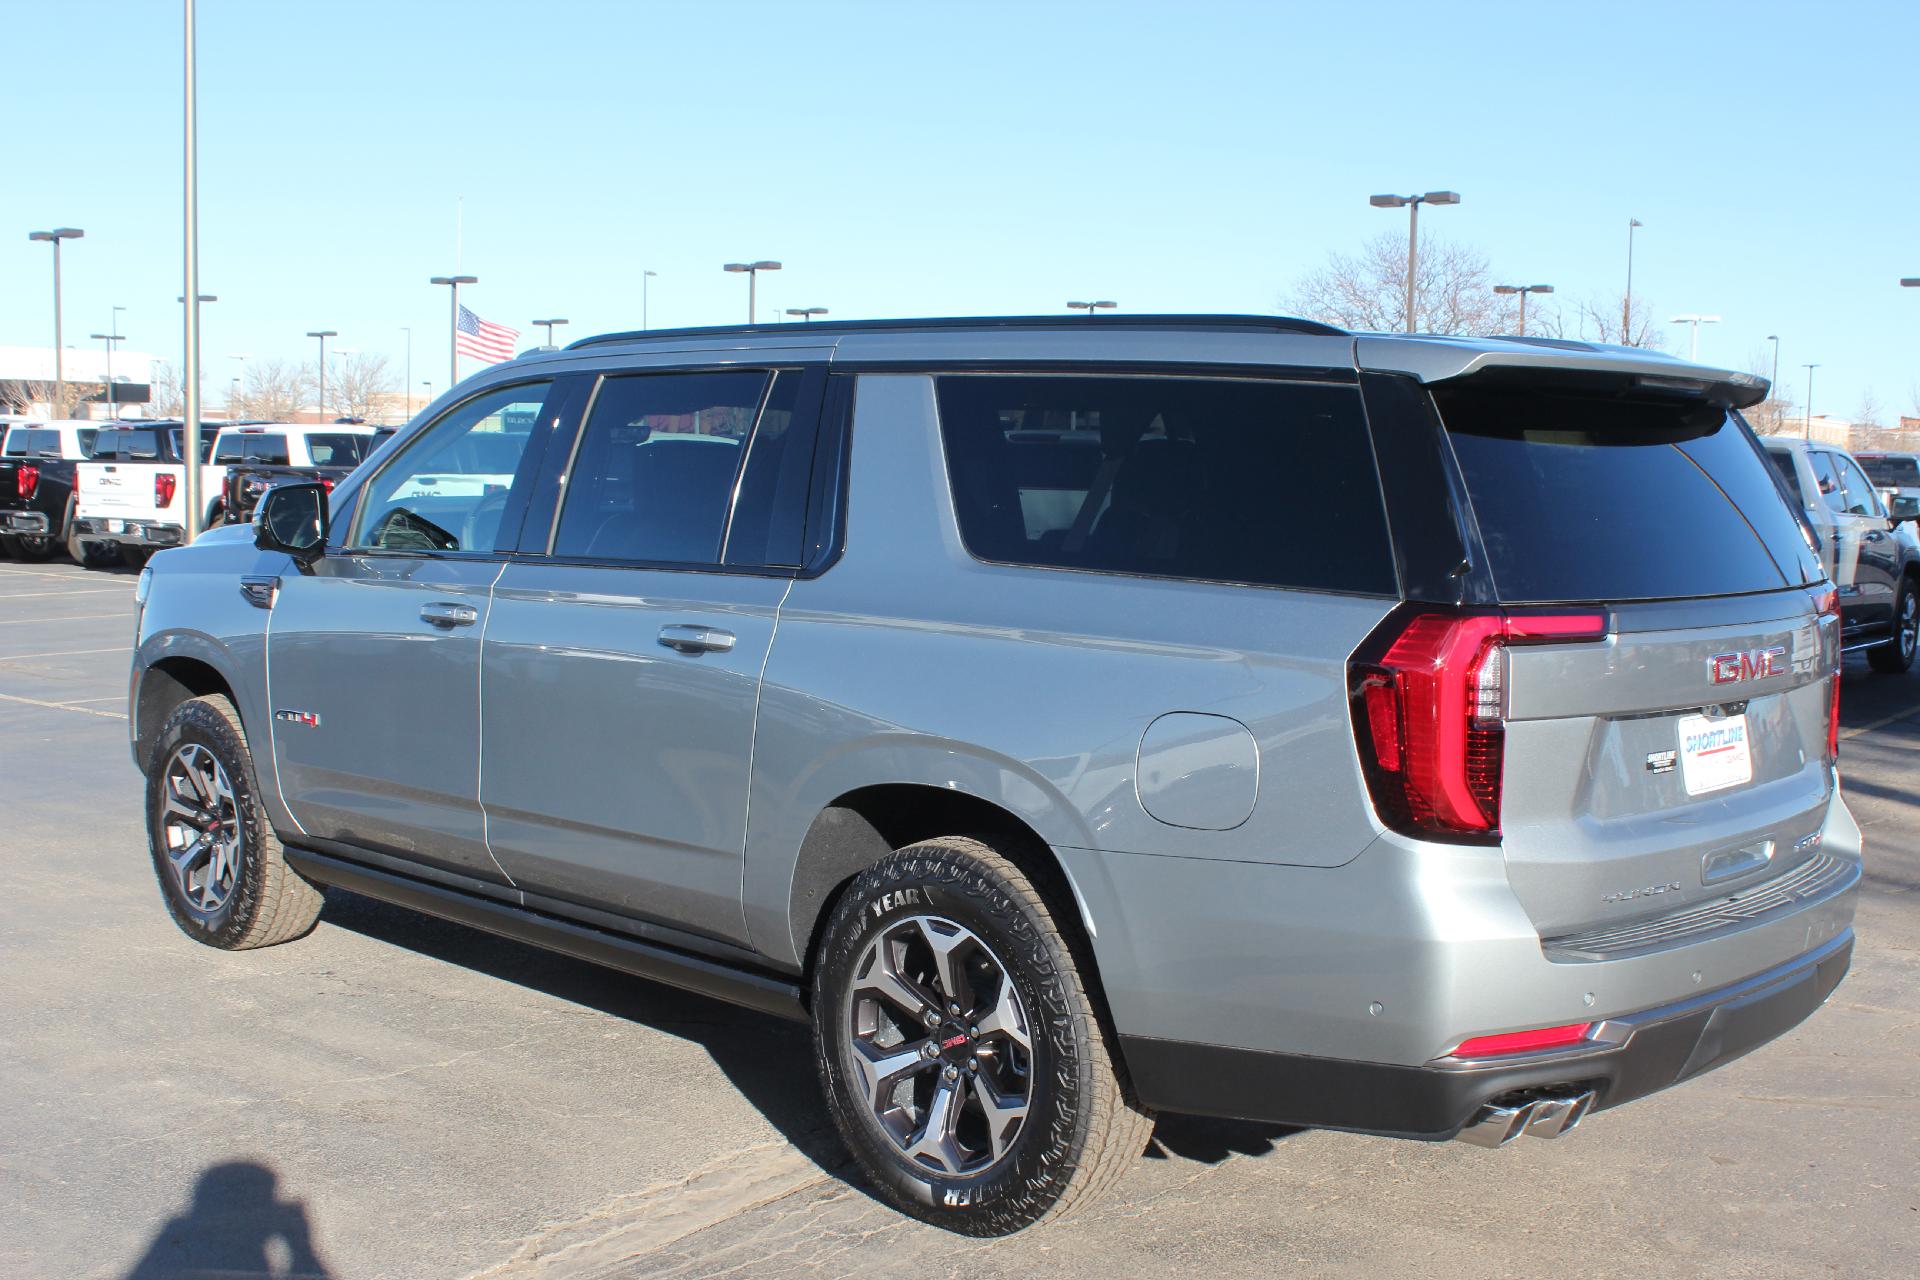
[133, 493]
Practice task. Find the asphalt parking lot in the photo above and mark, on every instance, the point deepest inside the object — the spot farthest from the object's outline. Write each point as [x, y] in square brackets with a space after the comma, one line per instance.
[393, 1096]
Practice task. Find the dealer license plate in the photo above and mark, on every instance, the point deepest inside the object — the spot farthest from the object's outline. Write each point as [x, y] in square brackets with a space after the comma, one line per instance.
[1714, 754]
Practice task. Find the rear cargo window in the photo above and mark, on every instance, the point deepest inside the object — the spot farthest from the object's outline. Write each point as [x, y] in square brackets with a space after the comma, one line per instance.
[1893, 471]
[1593, 498]
[1269, 483]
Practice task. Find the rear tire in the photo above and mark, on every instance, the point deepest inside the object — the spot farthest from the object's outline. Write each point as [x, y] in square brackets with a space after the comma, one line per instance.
[86, 552]
[222, 870]
[29, 546]
[1005, 1039]
[1895, 657]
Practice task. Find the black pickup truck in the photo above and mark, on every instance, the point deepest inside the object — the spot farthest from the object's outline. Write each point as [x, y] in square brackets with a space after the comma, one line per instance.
[37, 461]
[246, 483]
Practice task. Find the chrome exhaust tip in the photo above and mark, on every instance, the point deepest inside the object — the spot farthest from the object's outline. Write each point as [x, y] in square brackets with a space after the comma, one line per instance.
[1546, 1116]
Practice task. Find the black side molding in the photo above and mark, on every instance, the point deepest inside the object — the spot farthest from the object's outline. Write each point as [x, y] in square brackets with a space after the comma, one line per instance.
[778, 996]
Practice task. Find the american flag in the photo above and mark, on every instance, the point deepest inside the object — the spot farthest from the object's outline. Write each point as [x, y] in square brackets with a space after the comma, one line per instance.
[483, 339]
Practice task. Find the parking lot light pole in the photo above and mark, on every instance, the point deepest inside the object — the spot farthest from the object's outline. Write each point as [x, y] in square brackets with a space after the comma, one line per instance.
[1091, 307]
[1693, 349]
[1412, 205]
[1523, 290]
[109, 339]
[453, 322]
[752, 270]
[1807, 432]
[408, 384]
[644, 277]
[54, 237]
[323, 335]
[806, 314]
[549, 324]
[1626, 300]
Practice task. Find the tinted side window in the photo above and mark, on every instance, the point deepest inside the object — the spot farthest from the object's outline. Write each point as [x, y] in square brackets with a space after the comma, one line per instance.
[1783, 463]
[1828, 479]
[1589, 498]
[1270, 483]
[769, 515]
[337, 449]
[228, 448]
[85, 436]
[654, 473]
[449, 488]
[1861, 499]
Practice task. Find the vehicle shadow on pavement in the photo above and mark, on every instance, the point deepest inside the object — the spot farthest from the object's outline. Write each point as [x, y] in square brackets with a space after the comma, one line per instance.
[238, 1224]
[769, 1060]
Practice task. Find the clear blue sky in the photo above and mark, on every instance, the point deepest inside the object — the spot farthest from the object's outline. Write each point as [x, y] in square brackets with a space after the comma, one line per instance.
[959, 158]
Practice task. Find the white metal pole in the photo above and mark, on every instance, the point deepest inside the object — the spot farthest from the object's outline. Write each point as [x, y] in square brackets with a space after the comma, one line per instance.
[191, 296]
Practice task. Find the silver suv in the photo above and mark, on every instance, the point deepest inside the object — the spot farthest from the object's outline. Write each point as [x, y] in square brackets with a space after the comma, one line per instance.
[1071, 718]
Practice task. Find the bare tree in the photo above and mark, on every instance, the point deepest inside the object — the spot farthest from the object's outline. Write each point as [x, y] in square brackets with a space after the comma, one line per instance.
[62, 399]
[1772, 416]
[1453, 290]
[168, 397]
[273, 390]
[358, 384]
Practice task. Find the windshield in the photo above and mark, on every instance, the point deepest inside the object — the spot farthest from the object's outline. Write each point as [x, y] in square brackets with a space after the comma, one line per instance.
[1590, 498]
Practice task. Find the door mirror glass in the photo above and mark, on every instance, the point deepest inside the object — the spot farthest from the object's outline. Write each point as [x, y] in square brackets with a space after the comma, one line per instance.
[1903, 508]
[293, 518]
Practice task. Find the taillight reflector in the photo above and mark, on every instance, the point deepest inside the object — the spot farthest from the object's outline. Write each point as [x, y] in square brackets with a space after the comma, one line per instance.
[27, 479]
[1430, 714]
[1827, 602]
[164, 485]
[1523, 1041]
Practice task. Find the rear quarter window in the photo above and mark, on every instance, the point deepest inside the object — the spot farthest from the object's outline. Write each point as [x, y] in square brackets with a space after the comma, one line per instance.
[1584, 497]
[1262, 482]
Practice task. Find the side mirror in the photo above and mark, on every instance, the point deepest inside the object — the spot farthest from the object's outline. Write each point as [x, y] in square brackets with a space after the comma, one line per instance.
[293, 518]
[1903, 508]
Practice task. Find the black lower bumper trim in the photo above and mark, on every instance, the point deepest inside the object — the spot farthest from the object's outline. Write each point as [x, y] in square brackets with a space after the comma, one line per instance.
[1661, 1047]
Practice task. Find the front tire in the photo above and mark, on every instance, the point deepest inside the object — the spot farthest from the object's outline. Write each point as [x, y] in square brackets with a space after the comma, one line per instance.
[222, 871]
[959, 1048]
[1895, 657]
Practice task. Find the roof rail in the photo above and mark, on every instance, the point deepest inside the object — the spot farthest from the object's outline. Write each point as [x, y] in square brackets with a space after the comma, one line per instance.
[1271, 324]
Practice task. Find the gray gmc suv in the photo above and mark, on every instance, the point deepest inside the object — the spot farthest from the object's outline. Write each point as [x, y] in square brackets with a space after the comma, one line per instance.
[1070, 718]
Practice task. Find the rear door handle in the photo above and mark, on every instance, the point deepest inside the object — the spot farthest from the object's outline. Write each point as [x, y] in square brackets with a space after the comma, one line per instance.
[684, 638]
[442, 614]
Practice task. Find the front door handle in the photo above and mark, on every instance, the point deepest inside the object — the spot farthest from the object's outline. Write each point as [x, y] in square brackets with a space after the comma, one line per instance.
[684, 638]
[442, 614]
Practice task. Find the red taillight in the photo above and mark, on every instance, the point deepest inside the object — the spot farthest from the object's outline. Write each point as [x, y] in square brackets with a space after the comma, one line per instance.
[27, 479]
[326, 483]
[1430, 714]
[163, 486]
[1523, 1041]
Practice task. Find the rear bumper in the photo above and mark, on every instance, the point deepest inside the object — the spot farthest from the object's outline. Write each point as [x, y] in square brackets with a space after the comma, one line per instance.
[30, 522]
[1633, 1055]
[140, 533]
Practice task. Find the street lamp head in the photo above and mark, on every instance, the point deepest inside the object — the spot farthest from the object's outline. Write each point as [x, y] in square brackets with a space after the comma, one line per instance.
[555, 320]
[1540, 288]
[736, 267]
[650, 273]
[1507, 288]
[806, 311]
[1910, 282]
[323, 333]
[766, 266]
[1441, 197]
[454, 280]
[201, 297]
[57, 234]
[1387, 202]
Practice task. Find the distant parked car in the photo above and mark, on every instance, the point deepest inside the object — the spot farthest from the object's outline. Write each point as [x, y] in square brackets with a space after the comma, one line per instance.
[37, 461]
[334, 456]
[1897, 474]
[1870, 553]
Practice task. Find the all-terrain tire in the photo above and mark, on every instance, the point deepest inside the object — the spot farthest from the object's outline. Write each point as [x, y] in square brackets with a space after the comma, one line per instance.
[1895, 657]
[267, 902]
[1081, 1131]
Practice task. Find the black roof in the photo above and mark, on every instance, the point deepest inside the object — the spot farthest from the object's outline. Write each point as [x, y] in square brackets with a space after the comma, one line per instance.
[1269, 324]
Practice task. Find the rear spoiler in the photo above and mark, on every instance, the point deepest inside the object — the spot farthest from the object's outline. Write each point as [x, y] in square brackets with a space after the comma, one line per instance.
[1601, 366]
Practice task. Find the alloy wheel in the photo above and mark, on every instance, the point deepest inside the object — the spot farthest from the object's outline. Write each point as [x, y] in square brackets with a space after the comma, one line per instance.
[941, 1046]
[202, 828]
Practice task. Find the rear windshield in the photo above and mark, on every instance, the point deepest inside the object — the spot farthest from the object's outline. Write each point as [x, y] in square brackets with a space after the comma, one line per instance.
[338, 448]
[141, 444]
[1268, 483]
[32, 442]
[1893, 470]
[1590, 498]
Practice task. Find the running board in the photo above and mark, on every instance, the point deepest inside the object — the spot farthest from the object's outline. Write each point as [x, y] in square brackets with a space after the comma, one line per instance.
[777, 996]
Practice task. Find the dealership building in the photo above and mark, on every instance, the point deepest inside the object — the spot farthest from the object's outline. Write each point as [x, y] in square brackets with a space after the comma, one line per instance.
[28, 386]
